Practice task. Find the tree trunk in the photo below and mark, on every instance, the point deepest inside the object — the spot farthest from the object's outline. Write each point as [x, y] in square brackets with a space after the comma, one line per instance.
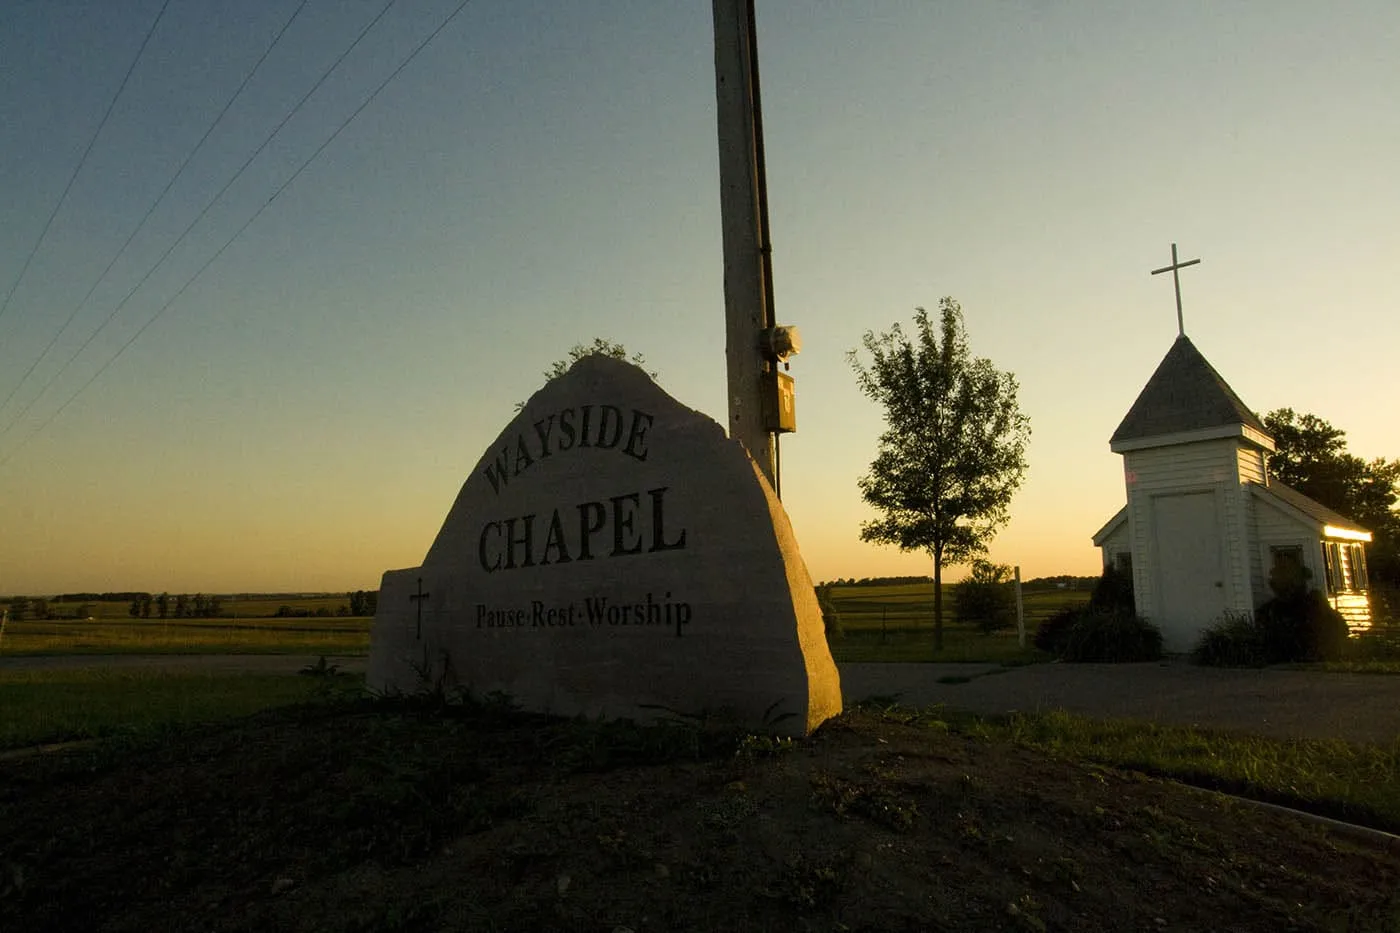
[937, 603]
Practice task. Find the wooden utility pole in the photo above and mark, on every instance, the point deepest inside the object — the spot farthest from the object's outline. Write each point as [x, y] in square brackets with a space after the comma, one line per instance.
[748, 297]
[1020, 611]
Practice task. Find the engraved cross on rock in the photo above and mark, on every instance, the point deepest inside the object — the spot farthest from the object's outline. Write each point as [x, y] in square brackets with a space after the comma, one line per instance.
[417, 599]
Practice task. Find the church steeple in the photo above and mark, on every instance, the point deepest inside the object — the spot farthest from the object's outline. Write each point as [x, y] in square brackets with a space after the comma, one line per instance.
[1186, 396]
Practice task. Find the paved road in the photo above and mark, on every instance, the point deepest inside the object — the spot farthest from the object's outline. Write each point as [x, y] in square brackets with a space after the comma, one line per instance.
[1279, 703]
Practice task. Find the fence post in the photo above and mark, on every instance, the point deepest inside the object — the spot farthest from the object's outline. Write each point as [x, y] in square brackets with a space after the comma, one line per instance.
[1020, 610]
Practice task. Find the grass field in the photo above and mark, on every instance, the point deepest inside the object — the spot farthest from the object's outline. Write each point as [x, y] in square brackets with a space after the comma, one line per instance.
[55, 706]
[879, 623]
[895, 623]
[339, 636]
[908, 607]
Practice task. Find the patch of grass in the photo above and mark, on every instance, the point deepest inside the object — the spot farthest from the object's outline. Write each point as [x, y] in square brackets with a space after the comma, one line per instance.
[39, 707]
[340, 636]
[1355, 782]
[1350, 667]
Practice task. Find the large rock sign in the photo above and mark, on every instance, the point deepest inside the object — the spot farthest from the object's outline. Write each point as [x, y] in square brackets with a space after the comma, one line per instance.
[613, 554]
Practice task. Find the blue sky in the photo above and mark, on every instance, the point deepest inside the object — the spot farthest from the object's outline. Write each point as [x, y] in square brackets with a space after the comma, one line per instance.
[302, 415]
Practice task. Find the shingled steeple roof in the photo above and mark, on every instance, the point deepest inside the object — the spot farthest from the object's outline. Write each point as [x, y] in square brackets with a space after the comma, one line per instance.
[1185, 394]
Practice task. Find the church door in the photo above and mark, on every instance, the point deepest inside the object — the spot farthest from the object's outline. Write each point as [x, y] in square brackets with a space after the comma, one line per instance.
[1190, 573]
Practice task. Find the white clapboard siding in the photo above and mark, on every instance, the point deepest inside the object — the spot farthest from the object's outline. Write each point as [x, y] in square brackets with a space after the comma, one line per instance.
[1250, 464]
[1115, 544]
[1276, 528]
[1204, 465]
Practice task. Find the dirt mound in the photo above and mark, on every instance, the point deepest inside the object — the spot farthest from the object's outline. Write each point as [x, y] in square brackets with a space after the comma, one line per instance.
[367, 819]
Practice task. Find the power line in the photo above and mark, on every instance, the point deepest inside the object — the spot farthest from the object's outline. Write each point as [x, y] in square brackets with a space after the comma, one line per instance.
[5, 305]
[160, 198]
[198, 217]
[210, 261]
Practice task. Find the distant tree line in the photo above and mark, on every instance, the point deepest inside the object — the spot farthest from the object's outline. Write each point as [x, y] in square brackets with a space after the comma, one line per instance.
[301, 612]
[878, 581]
[97, 597]
[166, 606]
[361, 603]
[181, 606]
[23, 608]
[1064, 581]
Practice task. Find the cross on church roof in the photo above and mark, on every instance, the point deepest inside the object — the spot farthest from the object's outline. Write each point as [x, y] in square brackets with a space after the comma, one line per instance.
[1176, 280]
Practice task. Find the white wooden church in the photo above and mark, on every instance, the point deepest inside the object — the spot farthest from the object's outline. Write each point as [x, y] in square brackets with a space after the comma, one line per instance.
[1204, 524]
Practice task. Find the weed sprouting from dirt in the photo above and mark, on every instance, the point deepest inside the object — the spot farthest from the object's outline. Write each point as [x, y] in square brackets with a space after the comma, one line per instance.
[320, 669]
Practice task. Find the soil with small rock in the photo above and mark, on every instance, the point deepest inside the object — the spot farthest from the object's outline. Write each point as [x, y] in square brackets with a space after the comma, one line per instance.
[367, 817]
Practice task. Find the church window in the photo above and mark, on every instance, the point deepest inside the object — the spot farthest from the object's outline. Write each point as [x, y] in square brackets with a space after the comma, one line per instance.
[1286, 566]
[1356, 563]
[1346, 567]
[1332, 558]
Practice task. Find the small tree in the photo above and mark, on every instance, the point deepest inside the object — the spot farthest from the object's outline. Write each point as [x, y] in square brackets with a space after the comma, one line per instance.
[954, 449]
[985, 599]
[599, 346]
[363, 602]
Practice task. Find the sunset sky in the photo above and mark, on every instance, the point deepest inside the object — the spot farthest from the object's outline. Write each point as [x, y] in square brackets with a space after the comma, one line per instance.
[301, 416]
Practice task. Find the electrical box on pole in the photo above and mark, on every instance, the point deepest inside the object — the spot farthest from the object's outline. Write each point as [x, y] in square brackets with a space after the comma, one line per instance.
[779, 402]
[779, 393]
